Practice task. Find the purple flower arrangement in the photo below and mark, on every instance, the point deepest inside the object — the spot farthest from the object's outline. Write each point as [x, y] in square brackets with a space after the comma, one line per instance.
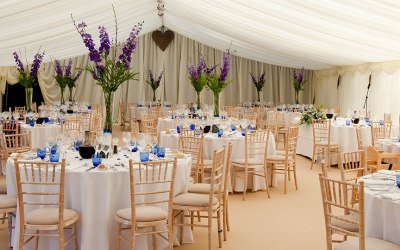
[27, 76]
[110, 69]
[64, 78]
[154, 84]
[258, 83]
[298, 80]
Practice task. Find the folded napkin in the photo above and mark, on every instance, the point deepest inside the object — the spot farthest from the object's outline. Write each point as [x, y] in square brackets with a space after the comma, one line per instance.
[391, 196]
[372, 182]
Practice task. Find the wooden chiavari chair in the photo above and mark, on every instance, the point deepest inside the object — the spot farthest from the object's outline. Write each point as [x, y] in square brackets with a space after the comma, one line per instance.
[21, 111]
[149, 126]
[41, 184]
[151, 189]
[286, 163]
[209, 203]
[134, 126]
[71, 125]
[16, 143]
[378, 132]
[10, 127]
[254, 161]
[323, 147]
[125, 116]
[341, 216]
[8, 208]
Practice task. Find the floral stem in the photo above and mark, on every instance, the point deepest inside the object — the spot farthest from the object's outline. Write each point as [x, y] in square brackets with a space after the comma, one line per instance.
[108, 101]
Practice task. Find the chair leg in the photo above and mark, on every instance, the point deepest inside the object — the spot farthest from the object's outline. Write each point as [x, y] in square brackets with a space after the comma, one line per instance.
[9, 216]
[37, 241]
[285, 181]
[219, 227]
[171, 231]
[181, 227]
[21, 238]
[233, 179]
[226, 207]
[191, 219]
[154, 238]
[266, 180]
[118, 243]
[329, 158]
[295, 175]
[75, 232]
[224, 219]
[60, 238]
[313, 158]
[245, 183]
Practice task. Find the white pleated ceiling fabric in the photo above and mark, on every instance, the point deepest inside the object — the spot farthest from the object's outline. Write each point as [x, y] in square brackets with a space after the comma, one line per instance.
[315, 34]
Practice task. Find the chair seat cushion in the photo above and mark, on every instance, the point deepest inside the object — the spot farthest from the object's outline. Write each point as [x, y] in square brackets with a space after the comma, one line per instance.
[278, 157]
[280, 152]
[251, 161]
[370, 244]
[199, 188]
[346, 225]
[325, 143]
[48, 216]
[194, 200]
[7, 201]
[207, 162]
[144, 213]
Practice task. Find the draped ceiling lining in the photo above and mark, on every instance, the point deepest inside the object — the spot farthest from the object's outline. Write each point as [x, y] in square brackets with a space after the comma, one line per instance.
[313, 34]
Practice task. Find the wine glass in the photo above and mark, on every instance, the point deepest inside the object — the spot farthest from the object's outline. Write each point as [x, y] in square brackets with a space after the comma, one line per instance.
[50, 143]
[153, 141]
[126, 138]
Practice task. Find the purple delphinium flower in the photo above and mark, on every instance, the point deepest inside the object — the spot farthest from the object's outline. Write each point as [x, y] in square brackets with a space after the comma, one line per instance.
[299, 78]
[37, 60]
[78, 75]
[151, 76]
[192, 71]
[20, 66]
[209, 70]
[68, 69]
[262, 77]
[129, 47]
[104, 41]
[253, 78]
[59, 71]
[160, 77]
[201, 66]
[226, 67]
[94, 54]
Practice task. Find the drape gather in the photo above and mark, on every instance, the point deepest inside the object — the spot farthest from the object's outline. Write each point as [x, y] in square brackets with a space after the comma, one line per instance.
[175, 86]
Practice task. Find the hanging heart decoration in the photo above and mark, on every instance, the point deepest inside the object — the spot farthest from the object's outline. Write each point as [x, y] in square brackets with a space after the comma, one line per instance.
[163, 39]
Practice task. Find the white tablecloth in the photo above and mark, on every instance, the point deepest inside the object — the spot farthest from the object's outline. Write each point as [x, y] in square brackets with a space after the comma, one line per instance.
[345, 136]
[212, 142]
[382, 216]
[41, 133]
[97, 196]
[390, 145]
[164, 123]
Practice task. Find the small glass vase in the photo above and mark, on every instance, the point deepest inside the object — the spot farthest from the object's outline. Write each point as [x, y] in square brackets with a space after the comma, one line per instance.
[154, 95]
[28, 98]
[258, 96]
[108, 102]
[216, 104]
[62, 96]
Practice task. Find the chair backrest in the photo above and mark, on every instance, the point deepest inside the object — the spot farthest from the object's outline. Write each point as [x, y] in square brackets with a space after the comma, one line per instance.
[291, 142]
[256, 144]
[359, 138]
[193, 145]
[95, 122]
[152, 183]
[321, 131]
[20, 110]
[387, 117]
[378, 131]
[280, 119]
[10, 126]
[336, 200]
[16, 143]
[271, 121]
[134, 126]
[70, 124]
[217, 176]
[149, 126]
[40, 184]
[352, 165]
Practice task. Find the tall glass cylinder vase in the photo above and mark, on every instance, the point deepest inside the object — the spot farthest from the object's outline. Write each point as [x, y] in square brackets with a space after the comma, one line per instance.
[70, 95]
[198, 100]
[258, 96]
[62, 96]
[108, 102]
[154, 95]
[296, 96]
[28, 98]
[216, 104]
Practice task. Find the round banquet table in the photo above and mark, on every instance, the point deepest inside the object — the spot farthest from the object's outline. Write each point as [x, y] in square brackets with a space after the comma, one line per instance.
[97, 195]
[382, 207]
[40, 133]
[345, 136]
[212, 142]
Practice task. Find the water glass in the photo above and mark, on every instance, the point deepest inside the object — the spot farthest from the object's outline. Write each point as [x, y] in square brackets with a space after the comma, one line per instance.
[398, 180]
[96, 159]
[54, 157]
[161, 152]
[192, 126]
[243, 132]
[41, 152]
[381, 122]
[53, 149]
[220, 132]
[233, 127]
[178, 129]
[348, 122]
[77, 143]
[144, 156]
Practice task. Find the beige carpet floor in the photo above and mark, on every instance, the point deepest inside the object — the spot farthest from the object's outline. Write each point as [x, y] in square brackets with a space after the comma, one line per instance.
[282, 222]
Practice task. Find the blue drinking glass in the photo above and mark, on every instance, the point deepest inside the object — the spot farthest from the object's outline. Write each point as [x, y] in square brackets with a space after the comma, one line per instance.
[41, 152]
[243, 132]
[46, 119]
[53, 149]
[32, 123]
[381, 122]
[398, 180]
[220, 132]
[366, 119]
[233, 127]
[161, 152]
[178, 129]
[192, 126]
[144, 156]
[77, 144]
[54, 157]
[348, 122]
[96, 160]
